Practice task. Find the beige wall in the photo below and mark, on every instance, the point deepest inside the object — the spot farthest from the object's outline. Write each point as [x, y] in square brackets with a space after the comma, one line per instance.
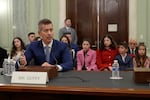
[6, 30]
[24, 16]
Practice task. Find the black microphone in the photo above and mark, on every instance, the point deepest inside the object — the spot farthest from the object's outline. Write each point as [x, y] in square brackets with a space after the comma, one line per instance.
[56, 61]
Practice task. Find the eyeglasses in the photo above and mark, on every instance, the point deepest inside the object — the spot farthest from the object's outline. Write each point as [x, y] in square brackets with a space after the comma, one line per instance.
[132, 43]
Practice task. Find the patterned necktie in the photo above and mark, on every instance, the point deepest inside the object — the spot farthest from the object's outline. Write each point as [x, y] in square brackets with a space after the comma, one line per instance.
[47, 53]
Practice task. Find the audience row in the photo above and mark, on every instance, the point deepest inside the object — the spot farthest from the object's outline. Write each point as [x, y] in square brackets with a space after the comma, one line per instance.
[128, 56]
[102, 59]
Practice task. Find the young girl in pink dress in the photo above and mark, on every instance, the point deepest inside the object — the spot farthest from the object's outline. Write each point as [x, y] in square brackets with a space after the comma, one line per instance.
[86, 58]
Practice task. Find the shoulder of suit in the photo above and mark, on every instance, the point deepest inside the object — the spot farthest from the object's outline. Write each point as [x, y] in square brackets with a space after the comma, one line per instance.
[58, 43]
[2, 49]
[35, 44]
[129, 56]
[118, 56]
[73, 29]
[62, 28]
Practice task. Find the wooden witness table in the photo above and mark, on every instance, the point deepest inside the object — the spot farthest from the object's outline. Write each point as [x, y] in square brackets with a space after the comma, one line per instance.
[74, 85]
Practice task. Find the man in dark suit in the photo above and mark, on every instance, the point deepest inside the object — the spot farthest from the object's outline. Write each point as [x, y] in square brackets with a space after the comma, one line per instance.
[132, 48]
[3, 55]
[48, 52]
[31, 37]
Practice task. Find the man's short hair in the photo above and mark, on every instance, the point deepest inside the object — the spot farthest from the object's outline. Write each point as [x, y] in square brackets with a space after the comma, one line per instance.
[132, 40]
[43, 22]
[31, 33]
[67, 19]
[124, 44]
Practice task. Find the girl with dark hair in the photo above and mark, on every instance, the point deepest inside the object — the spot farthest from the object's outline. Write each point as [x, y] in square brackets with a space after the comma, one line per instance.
[86, 58]
[106, 53]
[18, 47]
[141, 59]
[66, 40]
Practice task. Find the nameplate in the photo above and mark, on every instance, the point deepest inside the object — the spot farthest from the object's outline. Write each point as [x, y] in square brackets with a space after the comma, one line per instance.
[29, 77]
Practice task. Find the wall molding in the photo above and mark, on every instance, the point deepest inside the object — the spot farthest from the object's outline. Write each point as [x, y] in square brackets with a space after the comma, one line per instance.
[132, 19]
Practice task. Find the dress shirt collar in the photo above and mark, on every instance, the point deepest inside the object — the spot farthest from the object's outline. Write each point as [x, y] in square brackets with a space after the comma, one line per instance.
[49, 45]
[67, 28]
[123, 57]
[132, 50]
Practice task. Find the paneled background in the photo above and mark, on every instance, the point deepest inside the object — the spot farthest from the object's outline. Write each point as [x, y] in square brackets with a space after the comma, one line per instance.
[91, 19]
[15, 23]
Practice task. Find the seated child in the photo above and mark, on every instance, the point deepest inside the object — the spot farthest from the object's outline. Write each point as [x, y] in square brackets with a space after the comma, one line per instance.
[106, 53]
[141, 59]
[86, 58]
[125, 61]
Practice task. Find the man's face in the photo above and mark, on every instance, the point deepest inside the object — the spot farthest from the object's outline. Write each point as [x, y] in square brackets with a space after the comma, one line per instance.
[31, 37]
[46, 33]
[68, 23]
[132, 44]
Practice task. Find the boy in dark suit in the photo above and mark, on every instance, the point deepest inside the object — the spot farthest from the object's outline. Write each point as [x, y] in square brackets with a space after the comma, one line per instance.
[125, 61]
[3, 55]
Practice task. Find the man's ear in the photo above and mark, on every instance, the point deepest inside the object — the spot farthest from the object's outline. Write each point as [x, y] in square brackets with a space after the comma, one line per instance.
[39, 33]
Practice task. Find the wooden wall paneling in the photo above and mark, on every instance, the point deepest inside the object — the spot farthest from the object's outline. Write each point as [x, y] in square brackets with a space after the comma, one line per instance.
[114, 12]
[86, 20]
[83, 14]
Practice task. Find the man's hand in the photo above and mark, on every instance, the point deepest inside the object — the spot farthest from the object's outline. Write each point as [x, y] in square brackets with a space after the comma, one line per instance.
[23, 60]
[47, 65]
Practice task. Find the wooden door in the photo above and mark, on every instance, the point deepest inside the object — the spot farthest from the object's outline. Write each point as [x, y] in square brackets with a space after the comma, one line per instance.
[114, 13]
[91, 19]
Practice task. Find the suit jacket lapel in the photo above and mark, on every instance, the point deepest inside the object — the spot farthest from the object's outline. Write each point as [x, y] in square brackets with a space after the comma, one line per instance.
[53, 54]
[120, 57]
[41, 49]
